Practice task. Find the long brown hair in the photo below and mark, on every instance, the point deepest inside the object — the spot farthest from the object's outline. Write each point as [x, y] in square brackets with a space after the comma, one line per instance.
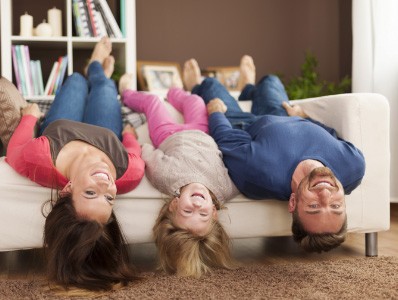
[84, 253]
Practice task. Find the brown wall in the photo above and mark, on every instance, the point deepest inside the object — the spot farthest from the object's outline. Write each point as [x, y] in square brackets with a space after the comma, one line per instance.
[277, 33]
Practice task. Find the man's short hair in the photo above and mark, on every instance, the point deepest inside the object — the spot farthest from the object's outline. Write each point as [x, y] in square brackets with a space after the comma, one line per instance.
[317, 242]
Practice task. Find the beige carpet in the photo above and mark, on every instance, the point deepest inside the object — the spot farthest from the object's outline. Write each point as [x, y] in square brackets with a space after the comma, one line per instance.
[359, 278]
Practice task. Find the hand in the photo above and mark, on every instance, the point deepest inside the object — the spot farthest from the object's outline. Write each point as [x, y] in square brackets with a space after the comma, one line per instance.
[32, 109]
[129, 129]
[216, 105]
[294, 110]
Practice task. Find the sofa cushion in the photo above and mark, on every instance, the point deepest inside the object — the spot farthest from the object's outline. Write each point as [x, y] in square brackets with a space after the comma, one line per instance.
[11, 102]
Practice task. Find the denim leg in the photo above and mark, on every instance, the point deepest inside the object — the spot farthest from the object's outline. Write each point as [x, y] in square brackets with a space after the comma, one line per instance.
[211, 88]
[103, 108]
[69, 103]
[246, 93]
[267, 97]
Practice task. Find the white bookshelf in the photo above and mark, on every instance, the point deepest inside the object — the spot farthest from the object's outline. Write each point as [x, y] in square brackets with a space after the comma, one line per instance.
[124, 49]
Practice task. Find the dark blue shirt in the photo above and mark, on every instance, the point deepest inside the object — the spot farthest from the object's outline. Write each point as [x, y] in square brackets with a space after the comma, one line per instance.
[261, 159]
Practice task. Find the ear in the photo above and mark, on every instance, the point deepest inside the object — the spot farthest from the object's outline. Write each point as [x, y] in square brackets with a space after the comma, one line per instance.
[292, 203]
[215, 213]
[67, 190]
[173, 204]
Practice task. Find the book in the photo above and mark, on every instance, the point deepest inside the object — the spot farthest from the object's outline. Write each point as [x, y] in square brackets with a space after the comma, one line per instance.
[40, 77]
[22, 70]
[61, 75]
[51, 78]
[77, 18]
[85, 26]
[109, 17]
[123, 17]
[54, 82]
[107, 25]
[34, 78]
[87, 19]
[96, 19]
[90, 14]
[101, 23]
[29, 76]
[16, 70]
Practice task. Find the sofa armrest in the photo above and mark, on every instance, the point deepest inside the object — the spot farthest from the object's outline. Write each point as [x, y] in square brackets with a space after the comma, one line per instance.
[364, 120]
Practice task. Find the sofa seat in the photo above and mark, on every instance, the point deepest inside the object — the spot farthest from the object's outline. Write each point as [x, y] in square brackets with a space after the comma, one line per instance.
[362, 119]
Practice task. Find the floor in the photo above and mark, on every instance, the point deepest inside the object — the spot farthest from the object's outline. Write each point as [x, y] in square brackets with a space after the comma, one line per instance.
[275, 250]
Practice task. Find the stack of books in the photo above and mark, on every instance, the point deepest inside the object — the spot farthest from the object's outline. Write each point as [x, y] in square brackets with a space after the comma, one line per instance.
[28, 73]
[94, 18]
[57, 76]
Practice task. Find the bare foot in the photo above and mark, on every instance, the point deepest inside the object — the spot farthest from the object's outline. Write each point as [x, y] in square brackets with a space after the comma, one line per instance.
[191, 74]
[247, 72]
[109, 66]
[126, 82]
[101, 50]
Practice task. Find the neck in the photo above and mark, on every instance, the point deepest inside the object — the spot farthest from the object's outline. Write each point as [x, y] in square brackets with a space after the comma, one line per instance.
[302, 170]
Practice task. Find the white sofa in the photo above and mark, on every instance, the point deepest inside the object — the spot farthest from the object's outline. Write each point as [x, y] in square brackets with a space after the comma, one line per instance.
[362, 119]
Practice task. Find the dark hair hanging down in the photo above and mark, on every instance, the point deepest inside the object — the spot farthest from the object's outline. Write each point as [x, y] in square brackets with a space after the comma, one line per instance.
[84, 253]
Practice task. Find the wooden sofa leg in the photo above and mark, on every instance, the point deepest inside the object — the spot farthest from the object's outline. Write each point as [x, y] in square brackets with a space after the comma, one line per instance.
[371, 244]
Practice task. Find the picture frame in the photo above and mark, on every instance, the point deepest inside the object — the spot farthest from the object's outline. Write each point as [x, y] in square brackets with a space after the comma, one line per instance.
[227, 76]
[158, 76]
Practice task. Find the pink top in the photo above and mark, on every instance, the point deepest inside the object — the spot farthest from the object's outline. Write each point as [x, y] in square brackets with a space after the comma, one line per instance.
[31, 157]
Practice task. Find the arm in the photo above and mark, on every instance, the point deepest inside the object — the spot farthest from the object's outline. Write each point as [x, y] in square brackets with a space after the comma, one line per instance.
[221, 129]
[297, 110]
[130, 140]
[136, 168]
[23, 134]
[162, 170]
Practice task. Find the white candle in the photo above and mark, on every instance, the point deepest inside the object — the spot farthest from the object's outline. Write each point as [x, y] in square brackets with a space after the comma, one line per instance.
[54, 17]
[26, 23]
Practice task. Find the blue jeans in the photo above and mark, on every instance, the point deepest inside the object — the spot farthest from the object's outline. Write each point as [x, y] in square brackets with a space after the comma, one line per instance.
[267, 97]
[92, 101]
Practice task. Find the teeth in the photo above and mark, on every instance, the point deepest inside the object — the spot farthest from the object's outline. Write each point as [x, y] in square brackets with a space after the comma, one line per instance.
[101, 175]
[198, 196]
[323, 184]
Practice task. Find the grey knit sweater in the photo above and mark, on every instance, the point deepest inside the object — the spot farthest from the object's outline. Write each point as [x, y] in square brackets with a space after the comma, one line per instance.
[186, 157]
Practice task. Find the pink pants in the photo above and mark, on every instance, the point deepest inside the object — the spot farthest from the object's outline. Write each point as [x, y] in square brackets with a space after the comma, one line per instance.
[161, 125]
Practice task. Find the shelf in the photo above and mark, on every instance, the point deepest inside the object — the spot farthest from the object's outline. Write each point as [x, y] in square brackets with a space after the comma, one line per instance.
[48, 49]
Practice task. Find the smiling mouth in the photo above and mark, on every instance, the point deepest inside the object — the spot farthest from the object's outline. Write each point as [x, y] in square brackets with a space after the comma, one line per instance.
[198, 195]
[323, 183]
[101, 175]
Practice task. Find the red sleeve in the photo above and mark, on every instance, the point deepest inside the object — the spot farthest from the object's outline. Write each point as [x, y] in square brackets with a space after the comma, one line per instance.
[22, 135]
[136, 168]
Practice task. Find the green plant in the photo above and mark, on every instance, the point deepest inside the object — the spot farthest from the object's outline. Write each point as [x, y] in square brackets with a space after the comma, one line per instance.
[308, 84]
[117, 72]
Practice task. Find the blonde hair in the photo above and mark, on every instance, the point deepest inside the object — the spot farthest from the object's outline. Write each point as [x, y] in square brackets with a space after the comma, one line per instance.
[187, 254]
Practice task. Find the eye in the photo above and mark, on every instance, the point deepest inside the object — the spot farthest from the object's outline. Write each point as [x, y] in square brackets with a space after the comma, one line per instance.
[110, 200]
[204, 215]
[90, 193]
[187, 211]
[335, 206]
[313, 206]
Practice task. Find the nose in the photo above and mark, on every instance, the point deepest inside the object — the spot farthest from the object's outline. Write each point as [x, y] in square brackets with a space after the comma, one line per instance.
[106, 186]
[325, 193]
[197, 203]
[103, 183]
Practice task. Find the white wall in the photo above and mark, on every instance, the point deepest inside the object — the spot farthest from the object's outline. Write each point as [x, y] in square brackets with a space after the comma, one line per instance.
[375, 63]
